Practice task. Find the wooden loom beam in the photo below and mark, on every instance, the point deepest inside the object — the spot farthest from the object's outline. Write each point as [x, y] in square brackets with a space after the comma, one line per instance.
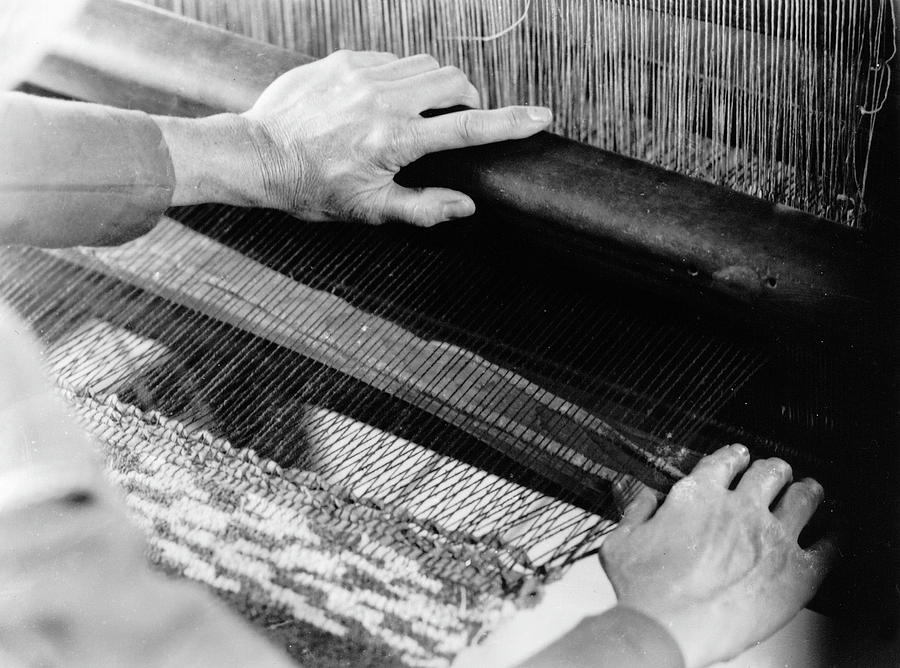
[763, 262]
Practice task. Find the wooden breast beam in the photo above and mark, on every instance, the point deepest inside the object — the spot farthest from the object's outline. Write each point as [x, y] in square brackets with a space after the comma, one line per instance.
[766, 263]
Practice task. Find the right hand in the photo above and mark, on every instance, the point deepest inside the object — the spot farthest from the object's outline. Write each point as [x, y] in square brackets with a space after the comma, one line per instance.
[717, 567]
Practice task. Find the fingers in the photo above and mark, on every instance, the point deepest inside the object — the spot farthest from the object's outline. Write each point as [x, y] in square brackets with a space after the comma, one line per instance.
[366, 107]
[477, 127]
[765, 479]
[638, 501]
[438, 89]
[403, 68]
[722, 467]
[426, 85]
[426, 207]
[364, 58]
[798, 504]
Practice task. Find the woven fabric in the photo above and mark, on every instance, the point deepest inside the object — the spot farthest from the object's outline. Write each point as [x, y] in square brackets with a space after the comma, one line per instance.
[335, 580]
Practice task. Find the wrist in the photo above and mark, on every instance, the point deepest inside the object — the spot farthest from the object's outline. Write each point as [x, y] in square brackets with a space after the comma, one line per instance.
[620, 636]
[215, 159]
[690, 631]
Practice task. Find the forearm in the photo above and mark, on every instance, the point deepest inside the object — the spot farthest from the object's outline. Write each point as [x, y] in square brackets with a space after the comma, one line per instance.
[79, 174]
[323, 142]
[84, 174]
[618, 638]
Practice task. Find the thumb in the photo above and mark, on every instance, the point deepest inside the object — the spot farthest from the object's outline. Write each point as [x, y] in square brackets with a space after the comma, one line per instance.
[425, 206]
[820, 558]
[637, 502]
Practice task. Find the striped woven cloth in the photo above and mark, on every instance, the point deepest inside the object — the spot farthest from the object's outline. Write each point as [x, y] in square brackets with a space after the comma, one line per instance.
[336, 580]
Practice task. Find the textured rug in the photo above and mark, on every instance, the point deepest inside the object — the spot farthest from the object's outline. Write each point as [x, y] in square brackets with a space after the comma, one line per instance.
[336, 580]
[337, 555]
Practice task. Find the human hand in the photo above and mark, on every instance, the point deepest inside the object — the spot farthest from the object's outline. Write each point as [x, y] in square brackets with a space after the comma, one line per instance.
[717, 567]
[332, 135]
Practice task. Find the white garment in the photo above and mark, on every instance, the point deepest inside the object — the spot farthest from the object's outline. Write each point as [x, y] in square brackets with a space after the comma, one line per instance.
[28, 30]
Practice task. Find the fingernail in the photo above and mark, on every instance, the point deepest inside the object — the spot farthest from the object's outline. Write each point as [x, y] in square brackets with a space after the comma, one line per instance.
[461, 208]
[740, 449]
[540, 114]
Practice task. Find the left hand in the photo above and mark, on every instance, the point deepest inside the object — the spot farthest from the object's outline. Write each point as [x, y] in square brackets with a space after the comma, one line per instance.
[331, 135]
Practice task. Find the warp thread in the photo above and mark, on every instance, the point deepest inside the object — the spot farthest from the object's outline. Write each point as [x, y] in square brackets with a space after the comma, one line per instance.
[777, 99]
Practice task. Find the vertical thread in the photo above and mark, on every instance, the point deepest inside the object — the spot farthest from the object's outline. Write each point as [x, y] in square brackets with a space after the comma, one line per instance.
[775, 98]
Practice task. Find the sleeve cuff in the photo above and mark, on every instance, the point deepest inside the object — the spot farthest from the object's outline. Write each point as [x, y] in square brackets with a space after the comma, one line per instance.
[628, 638]
[80, 174]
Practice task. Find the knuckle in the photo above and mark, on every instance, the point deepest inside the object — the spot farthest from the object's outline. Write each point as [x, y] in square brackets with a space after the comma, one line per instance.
[739, 450]
[780, 468]
[454, 78]
[405, 139]
[359, 97]
[684, 488]
[709, 459]
[719, 458]
[340, 58]
[419, 213]
[412, 211]
[354, 76]
[364, 91]
[759, 467]
[466, 127]
[427, 60]
[813, 490]
[351, 79]
[358, 77]
[724, 453]
[378, 138]
[709, 464]
[513, 120]
[452, 72]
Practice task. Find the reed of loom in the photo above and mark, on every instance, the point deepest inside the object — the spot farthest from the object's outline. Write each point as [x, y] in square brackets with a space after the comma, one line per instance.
[779, 269]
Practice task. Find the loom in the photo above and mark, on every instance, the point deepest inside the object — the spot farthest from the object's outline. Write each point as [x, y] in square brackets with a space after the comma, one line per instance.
[698, 254]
